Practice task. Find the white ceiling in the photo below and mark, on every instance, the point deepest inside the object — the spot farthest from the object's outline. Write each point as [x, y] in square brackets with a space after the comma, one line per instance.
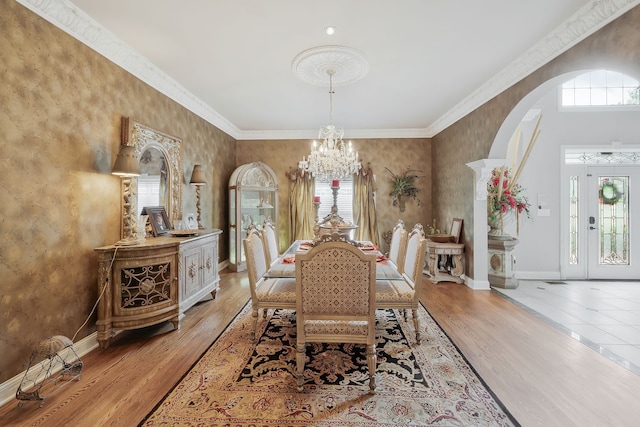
[430, 61]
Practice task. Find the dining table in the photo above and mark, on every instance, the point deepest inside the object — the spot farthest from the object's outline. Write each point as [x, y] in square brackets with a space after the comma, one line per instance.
[285, 266]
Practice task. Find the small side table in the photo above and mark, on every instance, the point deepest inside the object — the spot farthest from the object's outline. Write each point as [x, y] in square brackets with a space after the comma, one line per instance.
[445, 262]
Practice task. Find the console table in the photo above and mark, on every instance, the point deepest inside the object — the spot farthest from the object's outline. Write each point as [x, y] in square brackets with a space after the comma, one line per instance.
[445, 262]
[155, 281]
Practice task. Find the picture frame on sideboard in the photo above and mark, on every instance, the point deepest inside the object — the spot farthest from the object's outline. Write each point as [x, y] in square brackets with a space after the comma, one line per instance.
[159, 220]
[191, 222]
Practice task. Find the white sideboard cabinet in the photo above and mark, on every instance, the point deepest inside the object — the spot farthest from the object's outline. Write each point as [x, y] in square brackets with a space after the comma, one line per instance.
[156, 281]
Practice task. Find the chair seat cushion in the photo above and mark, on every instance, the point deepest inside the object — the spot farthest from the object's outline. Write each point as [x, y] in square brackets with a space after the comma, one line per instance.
[393, 291]
[277, 290]
[335, 327]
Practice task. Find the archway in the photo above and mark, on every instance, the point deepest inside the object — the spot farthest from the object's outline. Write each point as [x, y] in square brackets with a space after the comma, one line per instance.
[624, 127]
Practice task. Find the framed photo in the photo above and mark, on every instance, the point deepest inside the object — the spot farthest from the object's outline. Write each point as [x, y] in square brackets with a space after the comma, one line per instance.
[191, 222]
[159, 220]
[456, 229]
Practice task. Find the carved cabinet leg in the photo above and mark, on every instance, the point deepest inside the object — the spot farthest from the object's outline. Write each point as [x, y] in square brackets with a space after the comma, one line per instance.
[458, 265]
[433, 264]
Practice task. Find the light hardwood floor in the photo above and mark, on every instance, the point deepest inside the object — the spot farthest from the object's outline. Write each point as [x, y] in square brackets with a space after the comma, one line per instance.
[542, 376]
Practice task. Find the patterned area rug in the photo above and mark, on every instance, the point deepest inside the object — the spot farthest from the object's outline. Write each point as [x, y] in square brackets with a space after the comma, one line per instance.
[236, 383]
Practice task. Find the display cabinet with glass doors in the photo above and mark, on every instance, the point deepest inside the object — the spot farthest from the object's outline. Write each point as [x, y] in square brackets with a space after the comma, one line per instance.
[253, 198]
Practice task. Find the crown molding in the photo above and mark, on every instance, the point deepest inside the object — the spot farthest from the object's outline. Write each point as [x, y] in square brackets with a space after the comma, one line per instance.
[350, 134]
[586, 21]
[66, 16]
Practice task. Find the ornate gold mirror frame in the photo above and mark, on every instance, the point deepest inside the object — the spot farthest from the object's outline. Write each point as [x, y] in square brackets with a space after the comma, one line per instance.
[142, 137]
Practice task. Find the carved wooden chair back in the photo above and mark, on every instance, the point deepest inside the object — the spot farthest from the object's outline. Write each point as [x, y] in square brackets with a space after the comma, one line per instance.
[397, 246]
[254, 251]
[335, 288]
[270, 242]
[265, 293]
[416, 248]
[403, 294]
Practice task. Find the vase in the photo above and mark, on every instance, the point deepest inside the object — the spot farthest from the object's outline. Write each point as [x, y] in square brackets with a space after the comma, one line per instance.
[498, 223]
[401, 202]
[142, 227]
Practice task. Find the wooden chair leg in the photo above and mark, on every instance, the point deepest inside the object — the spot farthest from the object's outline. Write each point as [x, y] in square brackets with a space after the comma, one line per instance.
[371, 361]
[254, 315]
[300, 356]
[416, 323]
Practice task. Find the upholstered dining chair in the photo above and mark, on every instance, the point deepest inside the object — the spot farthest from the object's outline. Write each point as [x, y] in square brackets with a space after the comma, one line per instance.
[265, 292]
[403, 294]
[335, 285]
[397, 245]
[270, 242]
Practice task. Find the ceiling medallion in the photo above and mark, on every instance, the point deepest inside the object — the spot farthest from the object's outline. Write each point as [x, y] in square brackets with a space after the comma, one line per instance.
[348, 65]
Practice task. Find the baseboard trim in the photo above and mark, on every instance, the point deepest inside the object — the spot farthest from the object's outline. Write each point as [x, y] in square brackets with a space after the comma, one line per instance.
[9, 388]
[477, 285]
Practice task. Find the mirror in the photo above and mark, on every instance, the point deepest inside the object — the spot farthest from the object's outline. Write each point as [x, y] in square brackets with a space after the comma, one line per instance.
[152, 182]
[160, 159]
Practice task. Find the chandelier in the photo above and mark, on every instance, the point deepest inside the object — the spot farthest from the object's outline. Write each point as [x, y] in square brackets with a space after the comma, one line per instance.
[333, 159]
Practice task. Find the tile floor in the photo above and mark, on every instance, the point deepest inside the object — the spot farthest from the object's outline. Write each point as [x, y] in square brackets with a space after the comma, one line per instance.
[603, 315]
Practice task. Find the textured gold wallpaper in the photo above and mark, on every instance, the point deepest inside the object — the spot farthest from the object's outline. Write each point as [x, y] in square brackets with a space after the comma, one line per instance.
[62, 105]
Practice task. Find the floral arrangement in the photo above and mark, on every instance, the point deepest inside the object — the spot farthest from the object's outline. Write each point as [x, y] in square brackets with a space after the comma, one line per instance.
[504, 195]
[404, 185]
[433, 228]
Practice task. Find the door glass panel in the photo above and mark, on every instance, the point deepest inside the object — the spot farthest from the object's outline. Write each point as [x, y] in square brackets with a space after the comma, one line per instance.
[613, 220]
[574, 209]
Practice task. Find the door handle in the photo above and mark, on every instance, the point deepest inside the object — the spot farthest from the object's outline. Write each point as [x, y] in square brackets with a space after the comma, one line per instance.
[592, 228]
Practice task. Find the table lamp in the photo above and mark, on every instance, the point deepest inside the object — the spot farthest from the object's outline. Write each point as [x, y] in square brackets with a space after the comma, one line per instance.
[197, 179]
[126, 167]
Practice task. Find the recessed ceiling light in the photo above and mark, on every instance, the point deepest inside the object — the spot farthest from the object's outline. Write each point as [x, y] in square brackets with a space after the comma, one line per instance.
[329, 30]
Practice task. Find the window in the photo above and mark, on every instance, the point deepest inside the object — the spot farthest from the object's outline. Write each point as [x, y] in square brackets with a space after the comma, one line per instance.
[594, 157]
[344, 199]
[600, 88]
[148, 191]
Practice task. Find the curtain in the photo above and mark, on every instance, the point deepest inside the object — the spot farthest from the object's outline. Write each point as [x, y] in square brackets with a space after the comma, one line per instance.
[364, 206]
[302, 215]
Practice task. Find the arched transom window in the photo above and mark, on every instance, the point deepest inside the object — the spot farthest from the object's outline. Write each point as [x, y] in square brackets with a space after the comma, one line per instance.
[600, 88]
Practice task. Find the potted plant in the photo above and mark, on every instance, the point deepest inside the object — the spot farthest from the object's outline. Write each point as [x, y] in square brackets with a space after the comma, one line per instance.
[404, 185]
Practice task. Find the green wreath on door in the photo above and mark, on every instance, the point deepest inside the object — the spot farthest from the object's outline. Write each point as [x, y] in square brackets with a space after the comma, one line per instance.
[609, 193]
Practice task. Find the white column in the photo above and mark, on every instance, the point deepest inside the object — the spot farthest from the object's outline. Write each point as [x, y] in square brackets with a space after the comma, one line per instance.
[482, 172]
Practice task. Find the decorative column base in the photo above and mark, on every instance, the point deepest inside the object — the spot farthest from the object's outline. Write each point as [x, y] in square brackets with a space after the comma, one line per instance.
[501, 262]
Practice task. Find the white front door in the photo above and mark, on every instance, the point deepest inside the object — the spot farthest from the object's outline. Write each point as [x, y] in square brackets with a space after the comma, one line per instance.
[613, 231]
